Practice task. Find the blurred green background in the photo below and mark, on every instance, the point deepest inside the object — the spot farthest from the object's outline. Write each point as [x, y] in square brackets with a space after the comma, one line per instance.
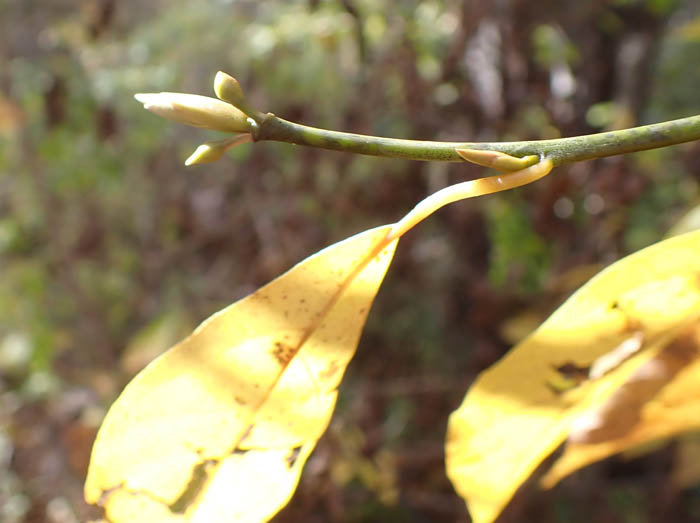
[111, 250]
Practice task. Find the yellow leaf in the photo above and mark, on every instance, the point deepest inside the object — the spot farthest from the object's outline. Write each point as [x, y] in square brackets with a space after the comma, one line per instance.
[523, 407]
[218, 428]
[661, 399]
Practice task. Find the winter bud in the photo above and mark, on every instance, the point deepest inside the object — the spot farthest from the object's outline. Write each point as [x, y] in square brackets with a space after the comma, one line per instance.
[497, 159]
[196, 110]
[211, 151]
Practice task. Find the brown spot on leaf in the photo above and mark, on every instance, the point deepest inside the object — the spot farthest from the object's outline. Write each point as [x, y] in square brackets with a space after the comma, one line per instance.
[330, 370]
[570, 375]
[239, 400]
[293, 455]
[283, 353]
[573, 371]
[633, 325]
[245, 435]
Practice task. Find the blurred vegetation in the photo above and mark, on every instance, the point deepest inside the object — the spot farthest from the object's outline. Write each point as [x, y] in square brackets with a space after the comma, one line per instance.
[111, 250]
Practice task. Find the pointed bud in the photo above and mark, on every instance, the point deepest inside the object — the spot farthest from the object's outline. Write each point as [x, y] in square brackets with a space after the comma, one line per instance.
[205, 153]
[228, 89]
[211, 151]
[497, 159]
[199, 111]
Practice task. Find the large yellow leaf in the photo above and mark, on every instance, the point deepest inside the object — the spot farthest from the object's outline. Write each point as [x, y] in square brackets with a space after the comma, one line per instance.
[218, 428]
[661, 399]
[522, 408]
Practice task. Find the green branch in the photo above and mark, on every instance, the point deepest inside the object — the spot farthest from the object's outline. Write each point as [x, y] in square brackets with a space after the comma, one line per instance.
[560, 150]
[232, 113]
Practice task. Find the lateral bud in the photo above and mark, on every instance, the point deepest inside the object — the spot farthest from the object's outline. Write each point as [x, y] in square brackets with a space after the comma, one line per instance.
[212, 151]
[497, 159]
[229, 90]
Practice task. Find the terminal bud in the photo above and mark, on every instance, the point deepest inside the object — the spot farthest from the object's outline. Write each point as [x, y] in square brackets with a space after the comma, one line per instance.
[196, 110]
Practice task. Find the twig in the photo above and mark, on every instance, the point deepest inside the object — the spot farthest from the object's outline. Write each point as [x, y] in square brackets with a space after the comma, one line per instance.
[560, 150]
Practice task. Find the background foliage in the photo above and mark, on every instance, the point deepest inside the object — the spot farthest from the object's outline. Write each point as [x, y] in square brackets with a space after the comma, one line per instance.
[111, 249]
